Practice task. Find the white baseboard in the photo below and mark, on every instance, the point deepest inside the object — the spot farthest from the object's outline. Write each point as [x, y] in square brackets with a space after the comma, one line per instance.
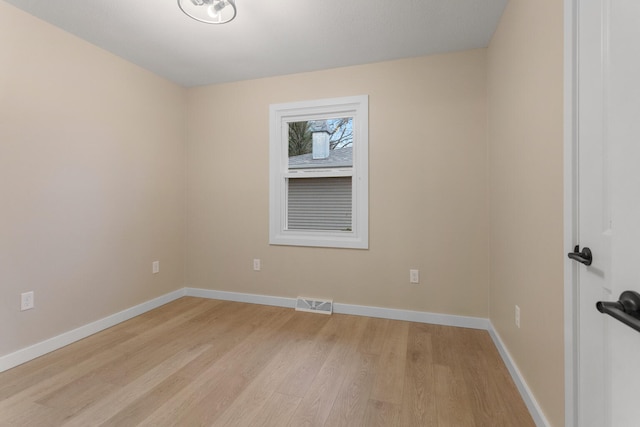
[240, 297]
[518, 379]
[29, 353]
[357, 310]
[413, 316]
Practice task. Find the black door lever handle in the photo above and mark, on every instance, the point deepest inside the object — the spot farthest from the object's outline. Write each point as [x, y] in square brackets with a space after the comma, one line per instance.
[584, 256]
[626, 309]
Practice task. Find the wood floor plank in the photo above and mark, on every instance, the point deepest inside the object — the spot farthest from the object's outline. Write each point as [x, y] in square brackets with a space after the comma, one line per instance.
[306, 362]
[85, 357]
[248, 406]
[28, 375]
[77, 395]
[200, 362]
[351, 402]
[67, 357]
[251, 402]
[418, 401]
[317, 403]
[277, 411]
[142, 406]
[48, 385]
[495, 398]
[176, 311]
[102, 410]
[451, 398]
[226, 333]
[202, 401]
[32, 415]
[389, 381]
[222, 327]
[374, 336]
[381, 414]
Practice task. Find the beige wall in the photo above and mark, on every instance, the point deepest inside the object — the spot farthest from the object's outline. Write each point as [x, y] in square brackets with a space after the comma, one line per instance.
[525, 81]
[91, 181]
[427, 188]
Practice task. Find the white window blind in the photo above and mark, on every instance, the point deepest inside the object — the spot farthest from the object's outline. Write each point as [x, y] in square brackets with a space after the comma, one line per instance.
[319, 204]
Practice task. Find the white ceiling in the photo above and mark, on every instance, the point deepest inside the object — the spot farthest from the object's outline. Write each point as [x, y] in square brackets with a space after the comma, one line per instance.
[270, 38]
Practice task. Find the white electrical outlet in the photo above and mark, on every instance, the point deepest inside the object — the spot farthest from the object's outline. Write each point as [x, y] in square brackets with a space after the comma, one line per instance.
[26, 301]
[414, 276]
[517, 316]
[256, 264]
[155, 267]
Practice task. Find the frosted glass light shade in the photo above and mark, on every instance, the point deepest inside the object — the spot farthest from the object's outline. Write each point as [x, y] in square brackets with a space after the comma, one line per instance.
[209, 11]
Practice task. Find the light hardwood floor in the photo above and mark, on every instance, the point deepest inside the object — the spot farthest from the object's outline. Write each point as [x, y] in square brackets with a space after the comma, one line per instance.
[200, 362]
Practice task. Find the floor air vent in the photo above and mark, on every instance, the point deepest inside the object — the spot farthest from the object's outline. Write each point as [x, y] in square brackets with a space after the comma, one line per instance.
[314, 305]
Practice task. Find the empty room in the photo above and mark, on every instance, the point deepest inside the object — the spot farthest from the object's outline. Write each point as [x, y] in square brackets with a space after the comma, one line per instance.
[164, 260]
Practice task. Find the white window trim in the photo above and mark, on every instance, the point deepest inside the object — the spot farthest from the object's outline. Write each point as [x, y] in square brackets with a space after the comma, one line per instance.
[279, 117]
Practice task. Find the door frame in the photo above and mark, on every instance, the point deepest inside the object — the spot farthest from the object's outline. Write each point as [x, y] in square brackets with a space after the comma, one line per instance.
[570, 151]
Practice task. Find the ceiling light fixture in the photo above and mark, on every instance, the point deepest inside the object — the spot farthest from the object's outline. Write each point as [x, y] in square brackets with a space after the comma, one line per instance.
[209, 11]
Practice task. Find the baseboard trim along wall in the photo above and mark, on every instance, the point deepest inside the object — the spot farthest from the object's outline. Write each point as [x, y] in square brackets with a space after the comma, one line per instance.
[523, 388]
[357, 310]
[29, 353]
[39, 349]
[240, 297]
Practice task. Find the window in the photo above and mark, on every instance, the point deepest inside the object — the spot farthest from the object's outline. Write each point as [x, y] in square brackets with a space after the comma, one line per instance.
[319, 173]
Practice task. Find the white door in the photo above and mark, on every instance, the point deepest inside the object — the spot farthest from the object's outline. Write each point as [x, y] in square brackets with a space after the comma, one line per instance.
[608, 190]
[624, 132]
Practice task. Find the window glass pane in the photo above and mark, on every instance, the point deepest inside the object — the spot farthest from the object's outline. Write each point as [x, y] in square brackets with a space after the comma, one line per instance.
[319, 204]
[321, 143]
